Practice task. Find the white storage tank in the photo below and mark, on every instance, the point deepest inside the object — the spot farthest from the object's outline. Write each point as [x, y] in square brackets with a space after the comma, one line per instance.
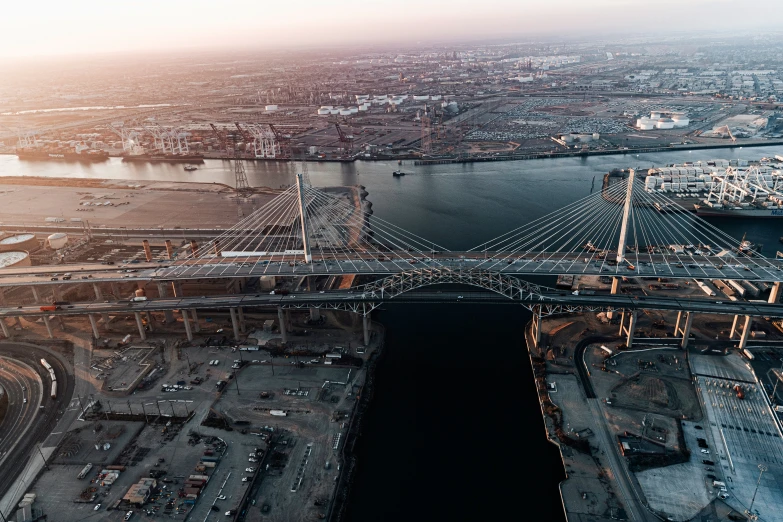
[19, 242]
[57, 240]
[323, 111]
[364, 107]
[665, 123]
[14, 258]
[344, 112]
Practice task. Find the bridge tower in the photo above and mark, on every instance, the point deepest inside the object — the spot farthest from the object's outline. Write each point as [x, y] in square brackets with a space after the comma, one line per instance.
[303, 217]
[623, 231]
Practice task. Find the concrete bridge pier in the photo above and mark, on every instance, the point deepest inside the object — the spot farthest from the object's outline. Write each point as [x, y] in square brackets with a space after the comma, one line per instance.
[242, 325]
[366, 327]
[628, 330]
[140, 324]
[94, 325]
[746, 332]
[615, 289]
[36, 297]
[536, 326]
[168, 314]
[149, 320]
[683, 328]
[115, 290]
[99, 297]
[176, 287]
[234, 322]
[196, 327]
[186, 322]
[6, 331]
[734, 327]
[48, 326]
[774, 294]
[281, 320]
[315, 313]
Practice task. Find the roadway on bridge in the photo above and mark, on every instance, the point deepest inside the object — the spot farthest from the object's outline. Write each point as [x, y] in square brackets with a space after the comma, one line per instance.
[217, 267]
[348, 298]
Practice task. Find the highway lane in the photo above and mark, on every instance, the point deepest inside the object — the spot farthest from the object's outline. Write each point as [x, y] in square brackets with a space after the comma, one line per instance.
[354, 298]
[644, 265]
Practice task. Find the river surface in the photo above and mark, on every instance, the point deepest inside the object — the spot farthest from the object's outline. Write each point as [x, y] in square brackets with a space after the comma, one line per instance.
[455, 431]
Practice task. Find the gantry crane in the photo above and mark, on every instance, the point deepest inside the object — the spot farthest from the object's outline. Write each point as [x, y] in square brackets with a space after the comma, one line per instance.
[345, 139]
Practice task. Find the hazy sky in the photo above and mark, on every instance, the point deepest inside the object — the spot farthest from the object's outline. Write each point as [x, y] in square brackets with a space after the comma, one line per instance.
[49, 27]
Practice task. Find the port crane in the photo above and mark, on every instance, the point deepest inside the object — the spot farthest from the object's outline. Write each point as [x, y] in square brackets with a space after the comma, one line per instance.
[345, 139]
[727, 130]
[221, 137]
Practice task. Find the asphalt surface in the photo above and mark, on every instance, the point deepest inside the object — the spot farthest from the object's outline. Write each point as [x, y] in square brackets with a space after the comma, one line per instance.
[26, 426]
[347, 299]
[543, 263]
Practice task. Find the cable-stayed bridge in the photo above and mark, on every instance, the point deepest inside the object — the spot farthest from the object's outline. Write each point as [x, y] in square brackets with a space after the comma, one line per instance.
[622, 231]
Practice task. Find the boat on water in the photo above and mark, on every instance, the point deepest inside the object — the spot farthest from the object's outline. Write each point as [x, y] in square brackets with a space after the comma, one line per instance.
[190, 168]
[744, 211]
[398, 173]
[62, 154]
[164, 158]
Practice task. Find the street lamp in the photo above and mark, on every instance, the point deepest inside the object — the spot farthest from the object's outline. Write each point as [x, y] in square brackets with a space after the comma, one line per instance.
[749, 511]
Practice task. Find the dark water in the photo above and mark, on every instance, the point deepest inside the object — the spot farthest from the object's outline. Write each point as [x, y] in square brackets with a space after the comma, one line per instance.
[455, 431]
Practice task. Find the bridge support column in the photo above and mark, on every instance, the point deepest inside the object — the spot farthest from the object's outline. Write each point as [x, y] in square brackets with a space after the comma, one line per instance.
[6, 331]
[168, 314]
[186, 322]
[734, 327]
[615, 289]
[99, 297]
[774, 294]
[745, 332]
[241, 314]
[36, 297]
[683, 329]
[140, 324]
[535, 326]
[48, 327]
[629, 330]
[234, 323]
[176, 287]
[115, 290]
[94, 325]
[366, 328]
[196, 327]
[56, 294]
[281, 320]
[315, 313]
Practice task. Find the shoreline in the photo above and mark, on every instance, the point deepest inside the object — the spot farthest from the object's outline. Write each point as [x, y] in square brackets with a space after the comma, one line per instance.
[514, 156]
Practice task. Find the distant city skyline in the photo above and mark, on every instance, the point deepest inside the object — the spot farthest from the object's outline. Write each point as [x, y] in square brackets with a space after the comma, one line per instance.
[51, 27]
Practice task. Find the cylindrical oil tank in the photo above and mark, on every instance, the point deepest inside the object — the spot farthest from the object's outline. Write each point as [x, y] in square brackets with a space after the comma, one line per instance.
[57, 240]
[14, 258]
[19, 242]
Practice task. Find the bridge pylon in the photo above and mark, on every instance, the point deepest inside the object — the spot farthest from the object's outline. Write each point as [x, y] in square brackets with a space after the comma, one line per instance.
[303, 217]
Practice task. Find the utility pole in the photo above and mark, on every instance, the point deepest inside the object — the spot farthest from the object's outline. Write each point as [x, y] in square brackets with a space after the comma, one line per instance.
[749, 512]
[303, 217]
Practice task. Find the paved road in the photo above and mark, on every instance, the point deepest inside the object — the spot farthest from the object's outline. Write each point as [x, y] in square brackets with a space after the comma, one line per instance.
[292, 264]
[348, 298]
[636, 510]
